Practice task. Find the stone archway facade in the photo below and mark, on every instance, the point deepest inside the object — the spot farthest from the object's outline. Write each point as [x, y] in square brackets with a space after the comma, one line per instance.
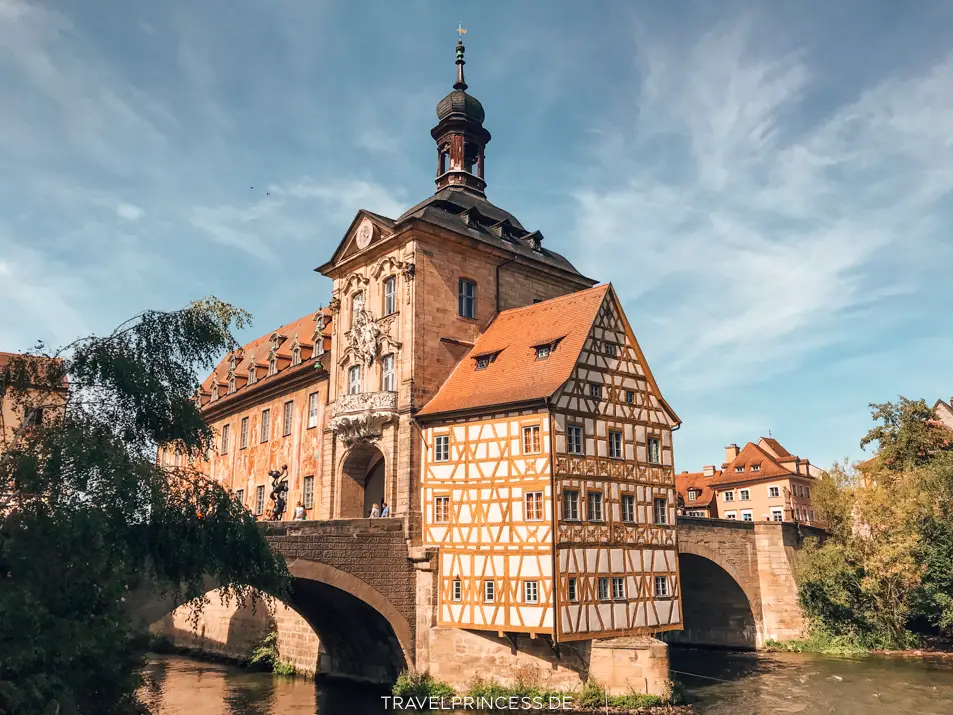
[357, 466]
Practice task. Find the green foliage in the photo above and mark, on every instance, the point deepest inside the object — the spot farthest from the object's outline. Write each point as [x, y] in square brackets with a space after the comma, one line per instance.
[88, 515]
[593, 696]
[266, 656]
[820, 641]
[888, 563]
[411, 684]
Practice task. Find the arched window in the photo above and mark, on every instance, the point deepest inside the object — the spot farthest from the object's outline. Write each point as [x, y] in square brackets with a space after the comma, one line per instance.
[354, 380]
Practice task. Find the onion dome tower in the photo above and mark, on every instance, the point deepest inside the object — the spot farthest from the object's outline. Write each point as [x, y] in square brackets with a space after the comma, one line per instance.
[460, 136]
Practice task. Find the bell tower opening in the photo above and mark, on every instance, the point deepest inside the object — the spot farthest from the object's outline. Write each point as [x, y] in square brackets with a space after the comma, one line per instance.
[460, 136]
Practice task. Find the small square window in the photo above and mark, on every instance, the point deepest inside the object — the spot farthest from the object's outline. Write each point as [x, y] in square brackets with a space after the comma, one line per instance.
[574, 439]
[441, 510]
[618, 588]
[615, 445]
[661, 586]
[542, 352]
[729, 496]
[774, 492]
[595, 391]
[628, 507]
[746, 515]
[531, 592]
[731, 515]
[441, 448]
[777, 515]
[610, 349]
[603, 588]
[483, 362]
[571, 592]
[489, 591]
[745, 495]
[692, 495]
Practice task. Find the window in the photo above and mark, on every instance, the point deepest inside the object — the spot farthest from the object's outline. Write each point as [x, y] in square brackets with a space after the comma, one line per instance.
[603, 588]
[483, 362]
[746, 515]
[354, 380]
[571, 505]
[661, 586]
[466, 298]
[755, 467]
[628, 507]
[489, 591]
[441, 448]
[655, 450]
[531, 439]
[738, 470]
[531, 592]
[357, 304]
[696, 512]
[240, 496]
[252, 374]
[457, 589]
[618, 588]
[594, 506]
[609, 349]
[630, 397]
[296, 355]
[777, 515]
[533, 503]
[810, 515]
[797, 490]
[244, 434]
[692, 494]
[273, 366]
[661, 510]
[542, 352]
[312, 410]
[574, 439]
[774, 492]
[441, 510]
[807, 492]
[729, 496]
[390, 295]
[265, 425]
[615, 445]
[307, 495]
[745, 495]
[259, 500]
[387, 373]
[595, 391]
[571, 592]
[225, 435]
[286, 418]
[731, 515]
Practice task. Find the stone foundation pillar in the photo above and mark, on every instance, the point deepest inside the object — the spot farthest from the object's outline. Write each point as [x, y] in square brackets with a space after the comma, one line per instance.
[636, 664]
[783, 619]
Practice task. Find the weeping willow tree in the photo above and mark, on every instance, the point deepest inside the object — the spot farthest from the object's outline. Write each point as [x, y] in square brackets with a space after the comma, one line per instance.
[88, 515]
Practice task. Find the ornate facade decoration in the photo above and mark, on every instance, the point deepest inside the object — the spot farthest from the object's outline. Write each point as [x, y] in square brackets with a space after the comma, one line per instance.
[335, 304]
[361, 417]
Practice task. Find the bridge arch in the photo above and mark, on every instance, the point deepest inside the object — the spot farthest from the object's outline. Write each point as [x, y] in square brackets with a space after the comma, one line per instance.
[363, 636]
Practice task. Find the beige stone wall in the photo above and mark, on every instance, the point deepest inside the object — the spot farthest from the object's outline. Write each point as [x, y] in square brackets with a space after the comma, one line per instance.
[783, 619]
[225, 629]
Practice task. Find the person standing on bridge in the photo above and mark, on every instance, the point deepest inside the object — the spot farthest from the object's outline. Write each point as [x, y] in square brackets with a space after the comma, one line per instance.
[385, 509]
[299, 512]
[375, 512]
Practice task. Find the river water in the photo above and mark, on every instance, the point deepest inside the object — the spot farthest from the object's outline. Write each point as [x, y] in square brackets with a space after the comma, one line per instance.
[718, 683]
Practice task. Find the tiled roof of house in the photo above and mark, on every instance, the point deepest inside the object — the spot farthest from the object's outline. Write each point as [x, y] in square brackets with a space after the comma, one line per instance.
[699, 482]
[515, 375]
[260, 350]
[755, 455]
[774, 447]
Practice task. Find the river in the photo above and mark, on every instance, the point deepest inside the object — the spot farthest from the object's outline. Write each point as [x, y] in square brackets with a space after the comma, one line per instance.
[718, 683]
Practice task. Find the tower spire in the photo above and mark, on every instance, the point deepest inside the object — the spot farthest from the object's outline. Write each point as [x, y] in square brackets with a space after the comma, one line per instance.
[460, 83]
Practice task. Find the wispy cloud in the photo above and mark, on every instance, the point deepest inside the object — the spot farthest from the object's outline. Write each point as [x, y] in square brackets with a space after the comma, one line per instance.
[761, 227]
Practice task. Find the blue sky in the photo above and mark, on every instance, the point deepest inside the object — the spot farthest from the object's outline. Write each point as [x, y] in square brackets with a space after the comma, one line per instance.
[769, 186]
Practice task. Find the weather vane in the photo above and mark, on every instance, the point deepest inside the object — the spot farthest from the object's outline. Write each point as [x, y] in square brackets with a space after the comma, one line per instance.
[460, 30]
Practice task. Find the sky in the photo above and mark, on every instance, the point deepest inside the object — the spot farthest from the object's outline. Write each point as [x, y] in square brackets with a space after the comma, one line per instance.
[768, 186]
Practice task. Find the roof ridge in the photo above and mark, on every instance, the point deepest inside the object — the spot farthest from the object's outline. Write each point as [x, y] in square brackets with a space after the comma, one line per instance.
[565, 296]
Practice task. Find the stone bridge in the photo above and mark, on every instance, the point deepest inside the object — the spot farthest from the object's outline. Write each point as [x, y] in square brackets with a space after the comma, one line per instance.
[353, 583]
[738, 587]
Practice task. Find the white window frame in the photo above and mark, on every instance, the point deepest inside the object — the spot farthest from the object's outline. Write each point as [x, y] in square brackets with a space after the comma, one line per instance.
[260, 499]
[390, 295]
[533, 506]
[744, 495]
[571, 505]
[530, 591]
[287, 418]
[441, 509]
[542, 352]
[661, 587]
[226, 438]
[387, 373]
[615, 444]
[618, 588]
[731, 515]
[441, 448]
[312, 410]
[660, 515]
[575, 439]
[307, 492]
[777, 514]
[594, 498]
[602, 588]
[774, 492]
[536, 441]
[729, 495]
[265, 432]
[628, 507]
[747, 513]
[354, 380]
[692, 495]
[243, 436]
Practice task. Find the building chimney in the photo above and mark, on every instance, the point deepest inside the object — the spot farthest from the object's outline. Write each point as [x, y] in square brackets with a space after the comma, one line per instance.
[731, 451]
[708, 470]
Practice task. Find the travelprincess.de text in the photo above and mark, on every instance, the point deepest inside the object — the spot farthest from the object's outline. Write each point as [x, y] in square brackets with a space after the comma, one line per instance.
[466, 702]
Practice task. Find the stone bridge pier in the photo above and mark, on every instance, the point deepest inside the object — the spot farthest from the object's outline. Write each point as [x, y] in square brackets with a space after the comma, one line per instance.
[738, 582]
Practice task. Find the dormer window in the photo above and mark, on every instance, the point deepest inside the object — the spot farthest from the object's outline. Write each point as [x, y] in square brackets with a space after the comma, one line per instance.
[755, 467]
[296, 351]
[273, 365]
[483, 361]
[739, 470]
[231, 384]
[252, 373]
[542, 352]
[692, 494]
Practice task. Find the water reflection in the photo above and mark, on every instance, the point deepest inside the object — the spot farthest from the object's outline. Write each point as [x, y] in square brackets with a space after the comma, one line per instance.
[719, 683]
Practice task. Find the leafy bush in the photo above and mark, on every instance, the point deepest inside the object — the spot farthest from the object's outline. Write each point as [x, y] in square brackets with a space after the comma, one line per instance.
[411, 684]
[593, 696]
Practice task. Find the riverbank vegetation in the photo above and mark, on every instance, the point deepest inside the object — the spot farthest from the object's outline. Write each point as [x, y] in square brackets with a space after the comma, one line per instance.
[267, 657]
[884, 578]
[89, 519]
[591, 697]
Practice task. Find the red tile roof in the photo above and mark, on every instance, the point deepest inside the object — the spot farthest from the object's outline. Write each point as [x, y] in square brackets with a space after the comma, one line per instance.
[755, 454]
[516, 375]
[260, 350]
[699, 482]
[774, 447]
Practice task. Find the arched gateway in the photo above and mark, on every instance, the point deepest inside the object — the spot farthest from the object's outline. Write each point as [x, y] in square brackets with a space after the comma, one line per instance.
[362, 481]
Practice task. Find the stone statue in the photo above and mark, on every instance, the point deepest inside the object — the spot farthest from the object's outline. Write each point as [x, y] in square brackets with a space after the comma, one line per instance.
[279, 487]
[365, 336]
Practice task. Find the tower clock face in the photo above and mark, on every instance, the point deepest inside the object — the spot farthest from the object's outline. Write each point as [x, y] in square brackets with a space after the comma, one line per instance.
[364, 233]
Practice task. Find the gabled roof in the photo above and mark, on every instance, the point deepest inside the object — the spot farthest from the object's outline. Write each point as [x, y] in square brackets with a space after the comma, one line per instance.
[699, 482]
[382, 223]
[515, 375]
[757, 454]
[773, 447]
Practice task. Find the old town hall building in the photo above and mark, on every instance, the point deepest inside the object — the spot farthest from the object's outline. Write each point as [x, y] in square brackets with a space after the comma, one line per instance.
[489, 393]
